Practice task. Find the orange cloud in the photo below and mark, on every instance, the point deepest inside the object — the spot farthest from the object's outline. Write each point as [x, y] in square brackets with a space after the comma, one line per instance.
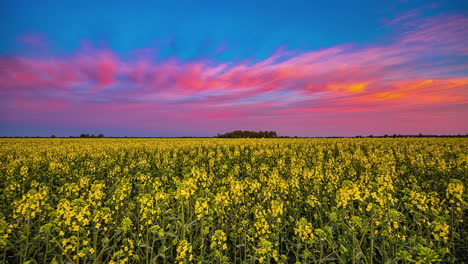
[357, 87]
[352, 88]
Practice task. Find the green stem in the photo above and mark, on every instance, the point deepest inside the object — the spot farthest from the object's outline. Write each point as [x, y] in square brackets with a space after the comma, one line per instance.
[47, 249]
[372, 240]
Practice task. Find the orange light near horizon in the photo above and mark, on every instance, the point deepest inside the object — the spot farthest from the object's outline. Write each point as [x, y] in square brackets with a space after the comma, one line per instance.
[353, 88]
[386, 96]
[455, 83]
[357, 87]
[406, 87]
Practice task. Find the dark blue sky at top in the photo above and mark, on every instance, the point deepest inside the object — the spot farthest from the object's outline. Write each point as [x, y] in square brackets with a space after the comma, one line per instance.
[196, 29]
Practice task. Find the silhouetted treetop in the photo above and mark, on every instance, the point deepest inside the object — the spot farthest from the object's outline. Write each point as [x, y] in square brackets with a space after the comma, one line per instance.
[248, 134]
[91, 136]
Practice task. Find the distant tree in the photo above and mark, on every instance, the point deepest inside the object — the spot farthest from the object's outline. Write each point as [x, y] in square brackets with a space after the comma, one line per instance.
[248, 134]
[100, 135]
[53, 136]
[87, 136]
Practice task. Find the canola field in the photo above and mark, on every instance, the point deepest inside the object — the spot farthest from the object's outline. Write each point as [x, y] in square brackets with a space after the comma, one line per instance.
[381, 200]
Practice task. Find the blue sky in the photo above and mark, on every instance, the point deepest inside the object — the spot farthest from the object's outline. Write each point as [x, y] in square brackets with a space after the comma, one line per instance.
[190, 29]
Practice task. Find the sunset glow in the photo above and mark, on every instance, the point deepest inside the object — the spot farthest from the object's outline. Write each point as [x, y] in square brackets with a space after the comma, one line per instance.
[410, 79]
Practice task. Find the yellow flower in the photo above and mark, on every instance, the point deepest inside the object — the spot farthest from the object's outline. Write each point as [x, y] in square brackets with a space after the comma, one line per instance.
[304, 231]
[184, 251]
[218, 240]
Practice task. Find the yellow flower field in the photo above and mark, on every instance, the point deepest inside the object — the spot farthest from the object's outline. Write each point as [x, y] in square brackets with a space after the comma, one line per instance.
[381, 200]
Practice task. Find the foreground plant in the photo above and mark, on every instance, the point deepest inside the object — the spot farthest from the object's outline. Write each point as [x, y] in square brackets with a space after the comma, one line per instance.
[233, 201]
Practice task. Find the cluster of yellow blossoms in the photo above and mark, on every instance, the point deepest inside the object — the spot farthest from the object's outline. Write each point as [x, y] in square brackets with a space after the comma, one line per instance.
[184, 252]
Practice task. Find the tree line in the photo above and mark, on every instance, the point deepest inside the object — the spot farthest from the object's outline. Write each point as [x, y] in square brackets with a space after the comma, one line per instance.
[248, 134]
[83, 136]
[91, 136]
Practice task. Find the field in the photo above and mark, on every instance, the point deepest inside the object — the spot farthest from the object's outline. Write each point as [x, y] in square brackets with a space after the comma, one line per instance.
[388, 200]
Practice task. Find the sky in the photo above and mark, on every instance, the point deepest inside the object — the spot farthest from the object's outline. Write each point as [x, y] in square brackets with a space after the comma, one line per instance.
[199, 68]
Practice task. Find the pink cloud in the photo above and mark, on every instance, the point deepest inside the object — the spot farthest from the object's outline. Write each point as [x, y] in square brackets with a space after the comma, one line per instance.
[97, 66]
